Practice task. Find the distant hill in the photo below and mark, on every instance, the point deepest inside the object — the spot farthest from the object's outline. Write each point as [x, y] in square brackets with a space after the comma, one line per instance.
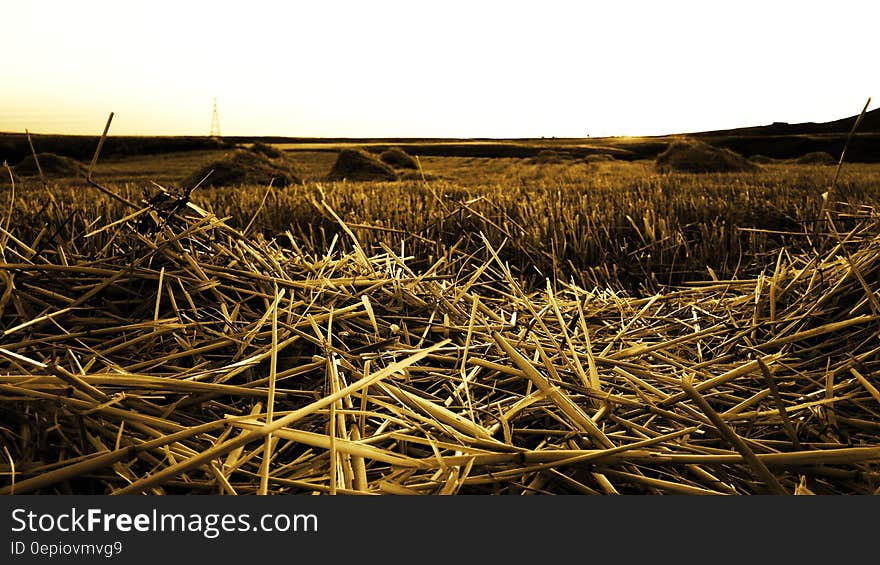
[870, 123]
[782, 140]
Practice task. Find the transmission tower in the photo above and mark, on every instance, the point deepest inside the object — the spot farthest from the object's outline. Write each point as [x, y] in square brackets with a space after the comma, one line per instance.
[215, 122]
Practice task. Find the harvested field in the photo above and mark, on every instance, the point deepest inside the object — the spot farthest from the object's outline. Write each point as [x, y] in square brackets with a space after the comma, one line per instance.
[167, 352]
[548, 156]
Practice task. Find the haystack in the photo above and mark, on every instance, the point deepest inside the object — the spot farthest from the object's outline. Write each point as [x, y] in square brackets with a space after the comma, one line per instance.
[694, 156]
[243, 167]
[763, 159]
[816, 158]
[267, 150]
[52, 165]
[599, 158]
[399, 159]
[356, 165]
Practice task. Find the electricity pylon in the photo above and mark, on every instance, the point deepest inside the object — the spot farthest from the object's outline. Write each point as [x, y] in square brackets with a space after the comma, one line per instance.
[215, 122]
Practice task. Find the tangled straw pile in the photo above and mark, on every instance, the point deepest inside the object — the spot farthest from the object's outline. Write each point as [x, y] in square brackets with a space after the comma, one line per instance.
[171, 353]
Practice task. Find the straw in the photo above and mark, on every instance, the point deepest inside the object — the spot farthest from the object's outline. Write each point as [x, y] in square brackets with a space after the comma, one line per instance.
[166, 352]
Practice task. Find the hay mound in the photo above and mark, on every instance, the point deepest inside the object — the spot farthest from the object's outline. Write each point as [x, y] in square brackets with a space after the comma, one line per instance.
[53, 166]
[599, 158]
[694, 156]
[816, 158]
[419, 175]
[763, 160]
[243, 167]
[4, 175]
[399, 159]
[357, 165]
[267, 150]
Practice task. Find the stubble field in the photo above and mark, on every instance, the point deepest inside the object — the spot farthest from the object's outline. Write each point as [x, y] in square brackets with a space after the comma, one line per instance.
[486, 325]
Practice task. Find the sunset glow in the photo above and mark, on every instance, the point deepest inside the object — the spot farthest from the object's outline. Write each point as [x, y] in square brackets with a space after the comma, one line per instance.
[432, 69]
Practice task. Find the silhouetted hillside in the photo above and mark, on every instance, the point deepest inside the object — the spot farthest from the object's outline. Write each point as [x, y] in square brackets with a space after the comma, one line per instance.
[870, 123]
[14, 146]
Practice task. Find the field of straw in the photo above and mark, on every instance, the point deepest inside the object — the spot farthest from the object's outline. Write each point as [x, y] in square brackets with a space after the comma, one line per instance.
[502, 327]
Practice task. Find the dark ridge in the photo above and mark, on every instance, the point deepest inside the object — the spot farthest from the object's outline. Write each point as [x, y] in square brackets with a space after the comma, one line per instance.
[14, 146]
[870, 123]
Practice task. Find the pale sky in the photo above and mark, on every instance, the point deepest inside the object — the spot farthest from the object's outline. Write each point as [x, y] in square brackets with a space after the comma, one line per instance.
[383, 68]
